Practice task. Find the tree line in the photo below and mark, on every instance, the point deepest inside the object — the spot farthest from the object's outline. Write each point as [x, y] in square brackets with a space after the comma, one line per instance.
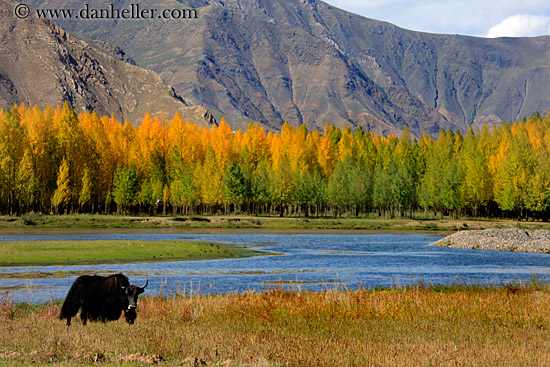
[55, 160]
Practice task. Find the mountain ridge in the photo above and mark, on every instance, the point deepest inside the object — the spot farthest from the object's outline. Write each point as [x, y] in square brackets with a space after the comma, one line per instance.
[307, 62]
[43, 64]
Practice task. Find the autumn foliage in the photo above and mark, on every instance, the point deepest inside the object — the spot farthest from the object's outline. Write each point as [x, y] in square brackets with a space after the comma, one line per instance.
[55, 160]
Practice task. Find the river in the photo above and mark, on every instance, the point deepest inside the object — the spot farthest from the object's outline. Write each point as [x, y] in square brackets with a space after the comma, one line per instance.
[303, 262]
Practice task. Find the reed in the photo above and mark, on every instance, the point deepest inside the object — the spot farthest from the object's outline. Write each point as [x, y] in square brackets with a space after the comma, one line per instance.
[416, 326]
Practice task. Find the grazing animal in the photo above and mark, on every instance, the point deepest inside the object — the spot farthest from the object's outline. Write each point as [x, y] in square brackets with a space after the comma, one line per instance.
[101, 299]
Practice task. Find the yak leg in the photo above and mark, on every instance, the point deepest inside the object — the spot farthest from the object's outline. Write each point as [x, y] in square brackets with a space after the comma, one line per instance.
[84, 315]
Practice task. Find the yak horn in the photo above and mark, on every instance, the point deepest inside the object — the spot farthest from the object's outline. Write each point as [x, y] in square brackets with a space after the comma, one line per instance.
[146, 282]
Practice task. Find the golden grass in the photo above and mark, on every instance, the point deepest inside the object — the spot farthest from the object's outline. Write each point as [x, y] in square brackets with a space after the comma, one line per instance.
[470, 326]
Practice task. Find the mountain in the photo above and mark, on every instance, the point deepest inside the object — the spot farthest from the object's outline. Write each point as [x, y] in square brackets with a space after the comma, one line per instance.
[41, 63]
[308, 62]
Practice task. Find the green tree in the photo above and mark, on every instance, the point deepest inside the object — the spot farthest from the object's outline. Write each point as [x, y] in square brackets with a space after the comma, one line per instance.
[476, 188]
[311, 191]
[108, 201]
[126, 185]
[146, 194]
[283, 186]
[429, 191]
[338, 188]
[382, 195]
[515, 174]
[450, 197]
[402, 188]
[365, 150]
[538, 193]
[27, 184]
[440, 185]
[183, 192]
[238, 186]
[85, 197]
[261, 186]
[159, 178]
[350, 186]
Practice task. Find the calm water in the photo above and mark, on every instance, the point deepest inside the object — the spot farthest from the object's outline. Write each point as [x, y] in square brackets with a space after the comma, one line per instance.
[312, 262]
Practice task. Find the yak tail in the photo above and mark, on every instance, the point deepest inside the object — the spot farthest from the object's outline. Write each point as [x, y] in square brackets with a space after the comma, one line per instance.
[71, 305]
[66, 310]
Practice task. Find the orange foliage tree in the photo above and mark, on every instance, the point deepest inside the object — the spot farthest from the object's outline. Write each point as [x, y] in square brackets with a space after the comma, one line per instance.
[55, 160]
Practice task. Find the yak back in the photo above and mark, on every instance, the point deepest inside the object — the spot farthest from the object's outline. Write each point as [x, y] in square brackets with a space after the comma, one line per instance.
[101, 296]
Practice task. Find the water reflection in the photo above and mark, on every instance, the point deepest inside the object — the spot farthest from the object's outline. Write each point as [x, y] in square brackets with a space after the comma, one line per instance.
[312, 262]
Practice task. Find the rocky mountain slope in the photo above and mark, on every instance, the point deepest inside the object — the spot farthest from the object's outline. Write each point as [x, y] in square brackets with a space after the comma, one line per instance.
[308, 62]
[41, 63]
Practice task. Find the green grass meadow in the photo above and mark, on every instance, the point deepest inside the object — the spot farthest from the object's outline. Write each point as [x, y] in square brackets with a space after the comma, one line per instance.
[15, 253]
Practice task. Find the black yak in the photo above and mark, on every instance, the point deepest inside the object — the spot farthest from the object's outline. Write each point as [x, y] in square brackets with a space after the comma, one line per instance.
[101, 299]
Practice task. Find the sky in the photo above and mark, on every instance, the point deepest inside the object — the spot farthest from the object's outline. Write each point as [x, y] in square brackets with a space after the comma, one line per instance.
[480, 18]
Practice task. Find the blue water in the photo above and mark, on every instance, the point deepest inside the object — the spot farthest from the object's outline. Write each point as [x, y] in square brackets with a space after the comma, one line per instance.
[307, 262]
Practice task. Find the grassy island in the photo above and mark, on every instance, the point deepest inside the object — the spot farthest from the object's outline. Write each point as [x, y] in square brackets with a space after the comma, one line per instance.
[113, 251]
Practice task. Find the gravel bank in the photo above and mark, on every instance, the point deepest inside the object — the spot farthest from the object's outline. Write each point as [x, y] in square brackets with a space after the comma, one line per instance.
[499, 240]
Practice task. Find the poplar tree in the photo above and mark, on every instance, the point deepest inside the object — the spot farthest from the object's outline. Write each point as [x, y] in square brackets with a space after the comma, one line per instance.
[62, 195]
[476, 188]
[27, 184]
[85, 197]
[126, 185]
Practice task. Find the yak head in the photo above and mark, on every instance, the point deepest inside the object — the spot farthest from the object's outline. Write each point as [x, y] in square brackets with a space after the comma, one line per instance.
[129, 298]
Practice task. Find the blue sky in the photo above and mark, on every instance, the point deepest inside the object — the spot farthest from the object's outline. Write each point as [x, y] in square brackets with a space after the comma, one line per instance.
[482, 18]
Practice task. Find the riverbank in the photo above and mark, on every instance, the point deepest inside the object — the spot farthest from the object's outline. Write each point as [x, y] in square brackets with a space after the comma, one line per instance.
[18, 253]
[417, 326]
[29, 221]
[513, 239]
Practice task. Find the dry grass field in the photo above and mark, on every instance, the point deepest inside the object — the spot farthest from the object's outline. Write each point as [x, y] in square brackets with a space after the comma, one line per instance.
[417, 326]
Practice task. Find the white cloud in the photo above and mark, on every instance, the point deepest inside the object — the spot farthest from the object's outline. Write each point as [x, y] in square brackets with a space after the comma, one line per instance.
[521, 25]
[470, 17]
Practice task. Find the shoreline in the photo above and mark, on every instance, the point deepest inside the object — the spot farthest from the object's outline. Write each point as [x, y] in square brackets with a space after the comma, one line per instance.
[215, 231]
[250, 224]
[511, 240]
